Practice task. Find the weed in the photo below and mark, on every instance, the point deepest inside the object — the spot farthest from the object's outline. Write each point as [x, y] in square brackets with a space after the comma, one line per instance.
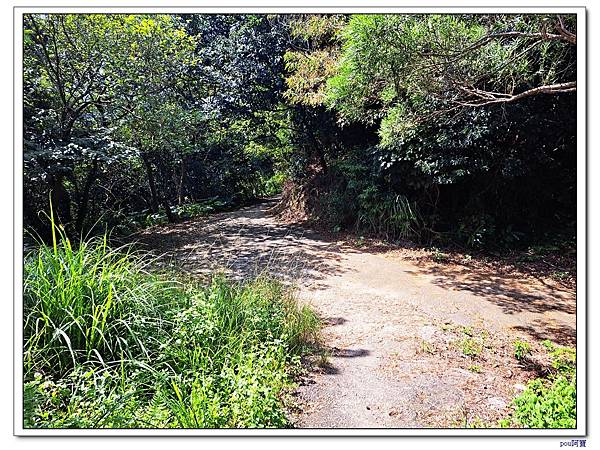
[521, 349]
[439, 256]
[485, 337]
[559, 275]
[468, 331]
[548, 402]
[470, 347]
[427, 347]
[563, 359]
[323, 358]
[476, 422]
[475, 368]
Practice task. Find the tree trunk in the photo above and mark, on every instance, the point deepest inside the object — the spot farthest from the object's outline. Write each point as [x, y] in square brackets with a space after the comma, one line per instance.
[170, 216]
[150, 172]
[85, 197]
[317, 147]
[31, 219]
[181, 181]
[156, 198]
[322, 160]
[60, 201]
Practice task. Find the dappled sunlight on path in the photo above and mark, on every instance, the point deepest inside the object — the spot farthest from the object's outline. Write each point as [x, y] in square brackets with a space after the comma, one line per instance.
[245, 243]
[392, 327]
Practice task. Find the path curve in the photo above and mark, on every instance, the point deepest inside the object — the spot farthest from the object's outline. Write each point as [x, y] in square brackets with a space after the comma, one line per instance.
[397, 332]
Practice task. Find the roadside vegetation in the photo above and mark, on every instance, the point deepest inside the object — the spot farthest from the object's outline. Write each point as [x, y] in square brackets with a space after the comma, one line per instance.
[435, 132]
[549, 401]
[110, 344]
[533, 384]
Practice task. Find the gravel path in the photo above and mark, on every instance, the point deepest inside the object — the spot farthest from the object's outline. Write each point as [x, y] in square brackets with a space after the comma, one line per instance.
[398, 333]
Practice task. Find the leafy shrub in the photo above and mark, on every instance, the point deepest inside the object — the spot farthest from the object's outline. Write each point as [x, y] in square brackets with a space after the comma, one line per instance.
[250, 386]
[258, 185]
[544, 405]
[390, 216]
[350, 197]
[89, 399]
[274, 184]
[142, 219]
[190, 210]
[476, 231]
[549, 402]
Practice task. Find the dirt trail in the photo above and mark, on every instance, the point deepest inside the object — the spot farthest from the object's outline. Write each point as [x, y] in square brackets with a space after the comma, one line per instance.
[410, 344]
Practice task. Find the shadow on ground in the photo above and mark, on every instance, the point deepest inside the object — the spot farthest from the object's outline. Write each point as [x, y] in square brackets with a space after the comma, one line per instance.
[243, 244]
[514, 295]
[330, 367]
[247, 242]
[542, 329]
[505, 290]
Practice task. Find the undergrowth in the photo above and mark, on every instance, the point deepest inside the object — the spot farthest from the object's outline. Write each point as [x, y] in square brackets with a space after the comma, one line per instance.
[109, 344]
[548, 402]
[184, 211]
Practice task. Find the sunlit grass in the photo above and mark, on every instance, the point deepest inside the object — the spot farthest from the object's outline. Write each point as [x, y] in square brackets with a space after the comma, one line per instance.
[109, 344]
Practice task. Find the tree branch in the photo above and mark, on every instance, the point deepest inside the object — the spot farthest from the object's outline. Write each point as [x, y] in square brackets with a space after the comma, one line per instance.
[489, 98]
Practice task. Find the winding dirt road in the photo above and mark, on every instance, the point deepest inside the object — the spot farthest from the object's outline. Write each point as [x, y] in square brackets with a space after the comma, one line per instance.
[410, 344]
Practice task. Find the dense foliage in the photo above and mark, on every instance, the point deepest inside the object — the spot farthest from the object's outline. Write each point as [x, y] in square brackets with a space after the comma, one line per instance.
[469, 120]
[108, 344]
[135, 113]
[451, 128]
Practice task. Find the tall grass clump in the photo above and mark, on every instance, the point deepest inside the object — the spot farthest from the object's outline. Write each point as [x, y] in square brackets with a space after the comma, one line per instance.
[107, 343]
[85, 303]
[390, 216]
